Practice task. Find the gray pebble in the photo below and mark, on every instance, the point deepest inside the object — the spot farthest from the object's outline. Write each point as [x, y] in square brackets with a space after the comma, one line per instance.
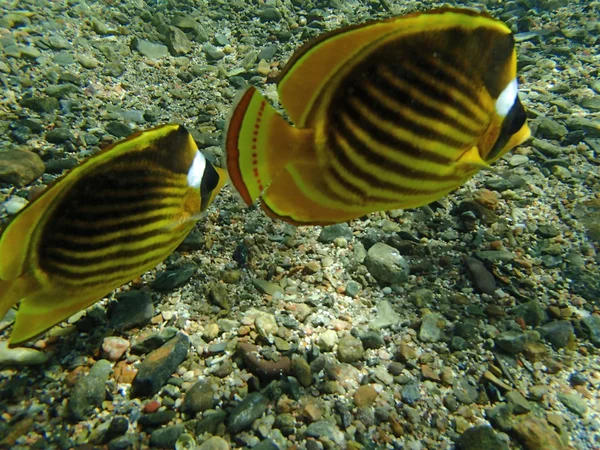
[512, 342]
[386, 264]
[166, 437]
[326, 429]
[246, 412]
[483, 280]
[150, 49]
[592, 325]
[133, 309]
[330, 233]
[558, 333]
[465, 390]
[350, 349]
[198, 398]
[519, 404]
[481, 437]
[171, 279]
[89, 392]
[574, 401]
[431, 328]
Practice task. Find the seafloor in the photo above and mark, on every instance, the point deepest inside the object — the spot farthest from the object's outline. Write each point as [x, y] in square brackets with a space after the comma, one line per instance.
[275, 337]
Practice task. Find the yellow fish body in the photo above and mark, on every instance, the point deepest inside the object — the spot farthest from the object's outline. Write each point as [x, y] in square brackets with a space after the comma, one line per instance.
[389, 114]
[109, 220]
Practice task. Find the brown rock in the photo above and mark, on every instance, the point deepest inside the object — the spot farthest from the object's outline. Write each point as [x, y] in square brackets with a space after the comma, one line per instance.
[365, 395]
[124, 373]
[20, 167]
[263, 368]
[536, 434]
[429, 374]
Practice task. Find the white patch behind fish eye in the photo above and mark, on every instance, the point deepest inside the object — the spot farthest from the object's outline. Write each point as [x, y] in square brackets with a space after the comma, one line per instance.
[507, 98]
[196, 171]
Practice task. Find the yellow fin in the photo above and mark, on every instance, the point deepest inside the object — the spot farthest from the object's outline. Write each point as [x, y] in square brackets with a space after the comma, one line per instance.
[8, 296]
[43, 309]
[259, 143]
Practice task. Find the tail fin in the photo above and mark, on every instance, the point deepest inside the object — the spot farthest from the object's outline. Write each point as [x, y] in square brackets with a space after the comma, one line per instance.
[259, 142]
[8, 296]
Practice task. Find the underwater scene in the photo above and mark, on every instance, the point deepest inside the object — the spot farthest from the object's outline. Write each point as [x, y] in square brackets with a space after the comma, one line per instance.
[300, 225]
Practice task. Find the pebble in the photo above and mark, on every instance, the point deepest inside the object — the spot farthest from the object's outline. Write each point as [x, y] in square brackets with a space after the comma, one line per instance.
[501, 416]
[592, 326]
[557, 333]
[519, 404]
[199, 398]
[512, 342]
[267, 287]
[481, 438]
[171, 279]
[330, 233]
[90, 391]
[246, 412]
[465, 390]
[301, 370]
[159, 365]
[386, 316]
[166, 437]
[532, 313]
[20, 167]
[365, 395]
[431, 328]
[386, 264]
[266, 325]
[41, 104]
[149, 341]
[550, 129]
[536, 434]
[574, 402]
[215, 443]
[328, 430]
[21, 356]
[518, 160]
[157, 418]
[150, 49]
[177, 42]
[327, 340]
[132, 309]
[411, 393]
[482, 278]
[59, 135]
[114, 347]
[350, 349]
[372, 340]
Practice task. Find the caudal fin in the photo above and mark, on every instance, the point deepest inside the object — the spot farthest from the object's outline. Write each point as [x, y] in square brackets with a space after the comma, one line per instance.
[259, 142]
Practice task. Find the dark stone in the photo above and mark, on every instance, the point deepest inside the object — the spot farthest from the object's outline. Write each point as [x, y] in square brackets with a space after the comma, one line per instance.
[159, 365]
[557, 333]
[210, 422]
[59, 136]
[118, 427]
[20, 167]
[118, 129]
[198, 398]
[133, 309]
[481, 438]
[41, 104]
[166, 437]
[90, 391]
[171, 279]
[512, 342]
[246, 412]
[332, 232]
[156, 419]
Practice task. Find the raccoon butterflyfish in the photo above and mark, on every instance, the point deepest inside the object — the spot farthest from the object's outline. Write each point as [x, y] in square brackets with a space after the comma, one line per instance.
[107, 221]
[389, 114]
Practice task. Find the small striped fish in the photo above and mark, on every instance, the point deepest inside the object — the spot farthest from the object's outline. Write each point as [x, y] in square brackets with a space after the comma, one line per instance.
[107, 221]
[388, 114]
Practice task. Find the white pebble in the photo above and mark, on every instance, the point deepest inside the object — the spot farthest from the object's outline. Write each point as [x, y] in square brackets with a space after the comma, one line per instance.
[14, 204]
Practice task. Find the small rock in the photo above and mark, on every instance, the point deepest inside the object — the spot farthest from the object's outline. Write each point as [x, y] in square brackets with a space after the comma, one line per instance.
[328, 430]
[90, 391]
[20, 356]
[372, 340]
[301, 370]
[592, 325]
[270, 14]
[216, 443]
[159, 365]
[557, 333]
[267, 287]
[59, 135]
[532, 313]
[246, 412]
[431, 328]
[198, 398]
[465, 390]
[512, 342]
[327, 340]
[482, 278]
[386, 264]
[171, 279]
[500, 416]
[41, 104]
[330, 233]
[365, 395]
[386, 316]
[178, 42]
[20, 167]
[266, 325]
[147, 342]
[549, 129]
[166, 437]
[411, 393]
[519, 404]
[150, 49]
[574, 402]
[481, 438]
[350, 349]
[133, 309]
[536, 434]
[114, 347]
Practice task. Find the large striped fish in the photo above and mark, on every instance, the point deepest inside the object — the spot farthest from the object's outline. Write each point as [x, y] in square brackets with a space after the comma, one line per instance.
[389, 114]
[107, 221]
